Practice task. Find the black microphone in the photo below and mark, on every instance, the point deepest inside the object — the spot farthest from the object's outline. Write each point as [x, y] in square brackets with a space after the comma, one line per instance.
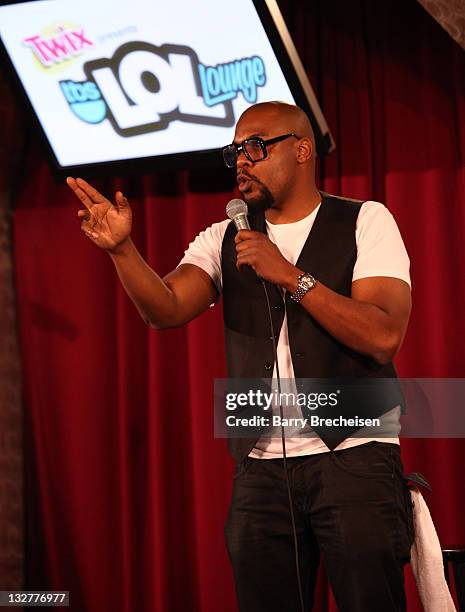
[237, 211]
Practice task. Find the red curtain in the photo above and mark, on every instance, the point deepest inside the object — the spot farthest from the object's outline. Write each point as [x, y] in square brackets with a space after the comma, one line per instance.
[127, 491]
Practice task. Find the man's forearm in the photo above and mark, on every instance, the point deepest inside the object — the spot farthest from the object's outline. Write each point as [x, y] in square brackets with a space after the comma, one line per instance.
[152, 297]
[361, 326]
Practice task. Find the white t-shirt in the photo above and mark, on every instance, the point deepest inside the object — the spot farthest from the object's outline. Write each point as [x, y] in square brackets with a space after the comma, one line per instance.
[380, 252]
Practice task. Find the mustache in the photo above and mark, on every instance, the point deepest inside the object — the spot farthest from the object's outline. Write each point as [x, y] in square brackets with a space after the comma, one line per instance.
[245, 175]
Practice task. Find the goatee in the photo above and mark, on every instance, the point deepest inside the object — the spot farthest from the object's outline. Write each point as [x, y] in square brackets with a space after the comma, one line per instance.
[262, 201]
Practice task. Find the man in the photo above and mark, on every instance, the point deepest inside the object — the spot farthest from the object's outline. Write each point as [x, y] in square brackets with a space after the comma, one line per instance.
[337, 273]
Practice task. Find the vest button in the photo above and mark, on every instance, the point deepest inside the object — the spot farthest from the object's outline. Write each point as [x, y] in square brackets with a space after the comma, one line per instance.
[278, 306]
[268, 366]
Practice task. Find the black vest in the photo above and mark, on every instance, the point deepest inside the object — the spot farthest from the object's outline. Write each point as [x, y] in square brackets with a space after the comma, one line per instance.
[329, 254]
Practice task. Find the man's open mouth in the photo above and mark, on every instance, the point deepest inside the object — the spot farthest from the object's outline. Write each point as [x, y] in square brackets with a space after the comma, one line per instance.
[244, 182]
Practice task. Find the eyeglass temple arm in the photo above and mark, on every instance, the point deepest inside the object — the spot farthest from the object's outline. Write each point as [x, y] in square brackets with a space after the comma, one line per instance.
[278, 138]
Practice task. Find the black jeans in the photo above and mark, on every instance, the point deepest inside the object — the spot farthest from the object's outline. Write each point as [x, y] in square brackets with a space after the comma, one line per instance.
[352, 505]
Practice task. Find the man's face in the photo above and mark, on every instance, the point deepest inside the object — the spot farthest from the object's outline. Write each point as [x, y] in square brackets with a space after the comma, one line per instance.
[264, 184]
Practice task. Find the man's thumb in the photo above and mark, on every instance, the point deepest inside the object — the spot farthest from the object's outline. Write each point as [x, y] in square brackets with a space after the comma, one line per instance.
[121, 201]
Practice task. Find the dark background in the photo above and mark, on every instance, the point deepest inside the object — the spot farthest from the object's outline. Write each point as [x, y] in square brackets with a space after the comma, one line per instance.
[126, 491]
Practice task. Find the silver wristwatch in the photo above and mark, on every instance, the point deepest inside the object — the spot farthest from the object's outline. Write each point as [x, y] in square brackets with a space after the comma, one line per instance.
[306, 282]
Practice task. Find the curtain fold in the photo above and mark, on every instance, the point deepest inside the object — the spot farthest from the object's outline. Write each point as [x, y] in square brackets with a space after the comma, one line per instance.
[126, 489]
[11, 434]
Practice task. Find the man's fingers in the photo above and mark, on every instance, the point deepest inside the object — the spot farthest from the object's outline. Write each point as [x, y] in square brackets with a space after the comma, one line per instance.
[245, 258]
[81, 194]
[88, 229]
[90, 191]
[244, 262]
[85, 192]
[121, 200]
[245, 245]
[245, 235]
[84, 213]
[86, 226]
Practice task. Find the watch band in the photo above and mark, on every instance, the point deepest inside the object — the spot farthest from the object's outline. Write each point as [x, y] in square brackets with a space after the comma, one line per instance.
[306, 283]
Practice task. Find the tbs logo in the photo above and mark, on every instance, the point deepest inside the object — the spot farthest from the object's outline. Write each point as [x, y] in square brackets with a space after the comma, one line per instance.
[142, 88]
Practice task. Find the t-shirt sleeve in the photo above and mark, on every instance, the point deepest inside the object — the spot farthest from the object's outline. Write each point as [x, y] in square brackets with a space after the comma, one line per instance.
[380, 248]
[205, 251]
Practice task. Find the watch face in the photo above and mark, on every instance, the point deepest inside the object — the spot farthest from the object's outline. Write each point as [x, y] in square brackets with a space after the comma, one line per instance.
[307, 280]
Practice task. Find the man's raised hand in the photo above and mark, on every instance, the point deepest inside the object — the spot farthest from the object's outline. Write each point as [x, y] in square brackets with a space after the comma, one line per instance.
[107, 225]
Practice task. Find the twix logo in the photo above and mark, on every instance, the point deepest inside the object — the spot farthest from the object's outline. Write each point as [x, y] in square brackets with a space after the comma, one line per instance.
[64, 44]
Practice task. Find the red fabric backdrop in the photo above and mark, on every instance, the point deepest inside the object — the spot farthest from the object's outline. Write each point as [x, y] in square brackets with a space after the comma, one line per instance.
[127, 491]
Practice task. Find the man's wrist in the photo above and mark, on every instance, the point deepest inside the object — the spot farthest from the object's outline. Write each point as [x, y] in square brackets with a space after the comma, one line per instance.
[291, 281]
[121, 249]
[298, 284]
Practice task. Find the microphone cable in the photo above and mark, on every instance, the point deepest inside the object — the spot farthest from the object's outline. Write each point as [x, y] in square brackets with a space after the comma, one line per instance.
[237, 211]
[283, 441]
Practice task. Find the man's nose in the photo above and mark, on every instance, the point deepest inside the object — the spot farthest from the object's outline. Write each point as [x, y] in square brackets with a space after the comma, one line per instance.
[242, 160]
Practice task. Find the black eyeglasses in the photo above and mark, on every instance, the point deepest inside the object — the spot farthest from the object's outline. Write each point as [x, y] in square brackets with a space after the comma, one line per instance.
[254, 149]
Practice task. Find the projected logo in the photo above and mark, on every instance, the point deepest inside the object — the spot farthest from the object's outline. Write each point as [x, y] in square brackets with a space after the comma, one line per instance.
[143, 88]
[58, 43]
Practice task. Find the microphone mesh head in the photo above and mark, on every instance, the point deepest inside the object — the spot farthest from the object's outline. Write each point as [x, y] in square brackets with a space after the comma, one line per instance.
[236, 207]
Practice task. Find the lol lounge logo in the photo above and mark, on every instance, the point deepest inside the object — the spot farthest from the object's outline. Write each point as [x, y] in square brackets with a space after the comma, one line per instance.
[143, 88]
[66, 43]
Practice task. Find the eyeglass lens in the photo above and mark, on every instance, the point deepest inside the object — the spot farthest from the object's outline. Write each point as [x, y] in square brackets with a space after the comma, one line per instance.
[230, 155]
[252, 148]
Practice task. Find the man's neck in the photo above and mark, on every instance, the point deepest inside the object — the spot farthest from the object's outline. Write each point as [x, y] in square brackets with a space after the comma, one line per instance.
[294, 209]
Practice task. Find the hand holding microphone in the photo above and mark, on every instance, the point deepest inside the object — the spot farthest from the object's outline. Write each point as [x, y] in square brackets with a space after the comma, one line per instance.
[256, 250]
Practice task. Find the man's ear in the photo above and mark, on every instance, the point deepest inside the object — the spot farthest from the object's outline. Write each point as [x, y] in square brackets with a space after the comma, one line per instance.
[304, 150]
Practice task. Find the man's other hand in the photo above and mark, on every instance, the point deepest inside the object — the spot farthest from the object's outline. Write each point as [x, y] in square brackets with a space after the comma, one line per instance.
[107, 225]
